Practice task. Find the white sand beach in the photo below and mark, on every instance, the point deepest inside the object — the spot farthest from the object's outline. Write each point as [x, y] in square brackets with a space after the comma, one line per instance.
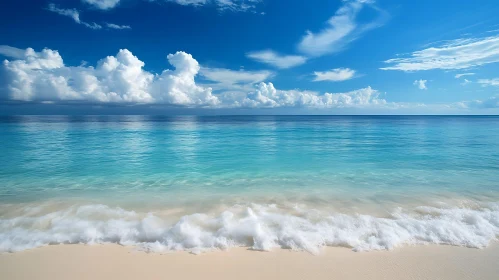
[117, 262]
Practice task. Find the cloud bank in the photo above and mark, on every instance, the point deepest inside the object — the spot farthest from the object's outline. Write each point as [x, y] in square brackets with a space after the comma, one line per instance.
[31, 76]
[43, 77]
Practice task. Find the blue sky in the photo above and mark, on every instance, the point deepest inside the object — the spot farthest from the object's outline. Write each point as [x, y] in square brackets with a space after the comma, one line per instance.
[250, 56]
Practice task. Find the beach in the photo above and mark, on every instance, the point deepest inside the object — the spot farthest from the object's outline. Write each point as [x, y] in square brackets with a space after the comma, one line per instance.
[118, 262]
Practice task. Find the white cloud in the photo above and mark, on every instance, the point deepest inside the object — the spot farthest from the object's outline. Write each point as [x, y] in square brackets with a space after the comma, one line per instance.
[335, 75]
[42, 76]
[72, 13]
[92, 25]
[463, 75]
[342, 29]
[102, 4]
[12, 52]
[189, 2]
[230, 80]
[116, 26]
[489, 103]
[489, 82]
[231, 5]
[465, 82]
[421, 84]
[277, 60]
[237, 5]
[455, 54]
[267, 96]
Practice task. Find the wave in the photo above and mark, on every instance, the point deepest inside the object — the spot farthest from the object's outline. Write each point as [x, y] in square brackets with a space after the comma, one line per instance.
[259, 227]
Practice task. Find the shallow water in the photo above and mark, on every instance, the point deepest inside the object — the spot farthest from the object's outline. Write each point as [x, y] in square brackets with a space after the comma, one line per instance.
[201, 183]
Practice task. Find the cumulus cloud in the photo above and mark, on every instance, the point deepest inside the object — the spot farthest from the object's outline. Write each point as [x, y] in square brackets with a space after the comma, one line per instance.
[74, 14]
[463, 75]
[421, 84]
[267, 96]
[280, 61]
[335, 75]
[116, 26]
[102, 4]
[341, 29]
[455, 54]
[489, 82]
[43, 76]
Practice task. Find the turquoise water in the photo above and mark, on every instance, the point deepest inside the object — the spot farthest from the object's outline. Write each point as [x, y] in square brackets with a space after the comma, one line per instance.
[132, 168]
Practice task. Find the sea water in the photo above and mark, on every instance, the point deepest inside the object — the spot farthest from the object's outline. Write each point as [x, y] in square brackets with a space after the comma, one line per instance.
[201, 183]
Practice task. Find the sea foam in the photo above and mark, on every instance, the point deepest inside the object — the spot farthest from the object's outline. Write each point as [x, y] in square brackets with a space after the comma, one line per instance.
[259, 227]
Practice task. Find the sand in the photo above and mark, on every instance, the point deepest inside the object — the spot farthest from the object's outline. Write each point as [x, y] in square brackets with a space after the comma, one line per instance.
[117, 262]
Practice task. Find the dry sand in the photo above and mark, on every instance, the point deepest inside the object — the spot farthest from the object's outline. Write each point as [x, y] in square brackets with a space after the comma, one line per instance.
[116, 262]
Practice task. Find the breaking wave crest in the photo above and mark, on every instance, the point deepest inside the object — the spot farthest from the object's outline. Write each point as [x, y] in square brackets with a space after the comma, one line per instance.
[260, 227]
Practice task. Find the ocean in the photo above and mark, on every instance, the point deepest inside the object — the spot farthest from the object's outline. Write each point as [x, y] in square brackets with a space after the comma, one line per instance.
[204, 183]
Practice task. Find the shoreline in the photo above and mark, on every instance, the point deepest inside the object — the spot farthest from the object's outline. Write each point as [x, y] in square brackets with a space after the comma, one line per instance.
[111, 261]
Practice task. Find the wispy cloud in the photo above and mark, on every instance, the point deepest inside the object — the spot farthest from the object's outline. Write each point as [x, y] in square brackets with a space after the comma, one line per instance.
[102, 4]
[341, 29]
[277, 60]
[12, 52]
[455, 54]
[233, 80]
[116, 26]
[74, 14]
[334, 75]
[489, 82]
[463, 75]
[421, 84]
[223, 5]
[92, 25]
[465, 82]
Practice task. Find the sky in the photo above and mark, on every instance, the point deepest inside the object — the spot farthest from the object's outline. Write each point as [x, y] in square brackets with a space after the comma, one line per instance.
[249, 57]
